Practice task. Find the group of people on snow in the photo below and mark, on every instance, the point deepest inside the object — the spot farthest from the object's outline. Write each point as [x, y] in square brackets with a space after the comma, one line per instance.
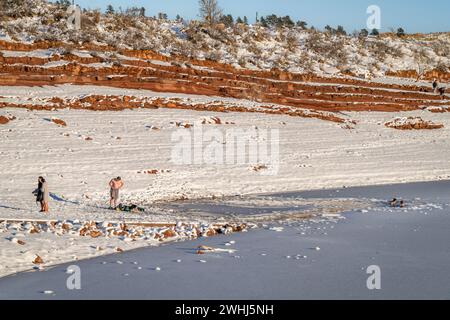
[43, 196]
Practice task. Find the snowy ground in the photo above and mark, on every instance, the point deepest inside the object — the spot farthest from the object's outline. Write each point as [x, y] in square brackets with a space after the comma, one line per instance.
[313, 154]
[283, 262]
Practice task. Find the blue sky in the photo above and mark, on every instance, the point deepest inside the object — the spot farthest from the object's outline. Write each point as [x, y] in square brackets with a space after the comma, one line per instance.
[413, 15]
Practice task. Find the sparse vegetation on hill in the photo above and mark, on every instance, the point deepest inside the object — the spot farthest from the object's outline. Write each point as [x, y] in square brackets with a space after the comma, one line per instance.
[273, 42]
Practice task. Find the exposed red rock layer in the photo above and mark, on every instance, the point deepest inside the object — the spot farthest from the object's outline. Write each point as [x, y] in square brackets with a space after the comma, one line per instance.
[149, 70]
[429, 75]
[117, 103]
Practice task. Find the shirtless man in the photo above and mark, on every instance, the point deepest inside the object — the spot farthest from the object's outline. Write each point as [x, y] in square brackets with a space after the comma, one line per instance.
[115, 185]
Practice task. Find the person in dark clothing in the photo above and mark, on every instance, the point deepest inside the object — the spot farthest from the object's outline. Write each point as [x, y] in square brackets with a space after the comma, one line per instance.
[393, 202]
[441, 91]
[435, 85]
[42, 194]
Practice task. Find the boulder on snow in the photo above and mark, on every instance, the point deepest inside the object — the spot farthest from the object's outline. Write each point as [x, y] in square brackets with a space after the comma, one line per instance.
[5, 120]
[38, 260]
[59, 122]
[412, 123]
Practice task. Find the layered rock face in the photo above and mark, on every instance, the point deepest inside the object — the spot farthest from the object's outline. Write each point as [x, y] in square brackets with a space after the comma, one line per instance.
[52, 63]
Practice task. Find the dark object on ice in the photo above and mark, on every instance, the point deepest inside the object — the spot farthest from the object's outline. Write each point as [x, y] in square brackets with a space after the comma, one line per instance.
[394, 203]
[129, 208]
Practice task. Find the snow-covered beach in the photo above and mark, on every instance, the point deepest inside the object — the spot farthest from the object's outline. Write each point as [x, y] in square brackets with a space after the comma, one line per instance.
[409, 245]
[313, 154]
[265, 159]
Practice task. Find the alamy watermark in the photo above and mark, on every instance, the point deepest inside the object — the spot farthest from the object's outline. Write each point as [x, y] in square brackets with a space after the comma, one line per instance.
[74, 17]
[374, 280]
[245, 147]
[374, 19]
[73, 282]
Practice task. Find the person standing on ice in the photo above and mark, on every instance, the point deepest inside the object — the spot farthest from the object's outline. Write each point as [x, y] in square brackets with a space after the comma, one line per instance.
[42, 194]
[115, 185]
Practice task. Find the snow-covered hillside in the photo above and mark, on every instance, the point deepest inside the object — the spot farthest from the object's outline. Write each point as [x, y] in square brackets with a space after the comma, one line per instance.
[243, 46]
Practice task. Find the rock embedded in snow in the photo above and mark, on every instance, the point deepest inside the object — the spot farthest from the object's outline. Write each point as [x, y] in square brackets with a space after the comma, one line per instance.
[20, 242]
[38, 260]
[59, 122]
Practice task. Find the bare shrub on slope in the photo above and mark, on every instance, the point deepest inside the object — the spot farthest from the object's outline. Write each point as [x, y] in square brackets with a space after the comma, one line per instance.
[264, 46]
